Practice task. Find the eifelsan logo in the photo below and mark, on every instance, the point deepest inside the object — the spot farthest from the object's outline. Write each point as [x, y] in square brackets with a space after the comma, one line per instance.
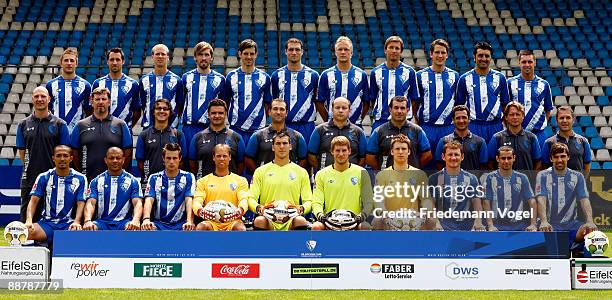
[164, 270]
[13, 269]
[582, 277]
[311, 245]
[454, 271]
[235, 270]
[525, 272]
[394, 271]
[594, 276]
[91, 269]
[315, 271]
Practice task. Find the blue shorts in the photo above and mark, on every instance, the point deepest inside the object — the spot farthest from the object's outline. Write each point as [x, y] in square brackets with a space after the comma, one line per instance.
[485, 129]
[378, 123]
[452, 225]
[541, 135]
[189, 130]
[246, 135]
[111, 225]
[49, 227]
[166, 226]
[435, 133]
[305, 128]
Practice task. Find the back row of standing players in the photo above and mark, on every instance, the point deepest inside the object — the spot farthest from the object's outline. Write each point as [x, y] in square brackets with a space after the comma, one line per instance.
[467, 108]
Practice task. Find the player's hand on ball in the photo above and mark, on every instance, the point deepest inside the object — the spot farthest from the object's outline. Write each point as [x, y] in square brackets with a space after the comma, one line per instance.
[28, 224]
[493, 228]
[293, 212]
[321, 217]
[588, 228]
[268, 212]
[133, 225]
[188, 226]
[206, 214]
[545, 226]
[531, 228]
[231, 214]
[75, 226]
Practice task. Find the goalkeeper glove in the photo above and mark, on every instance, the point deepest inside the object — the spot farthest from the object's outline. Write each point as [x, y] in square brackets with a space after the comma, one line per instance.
[320, 217]
[206, 214]
[268, 212]
[231, 215]
[292, 212]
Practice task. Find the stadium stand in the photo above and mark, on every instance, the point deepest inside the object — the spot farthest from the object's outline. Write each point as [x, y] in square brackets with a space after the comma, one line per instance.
[570, 40]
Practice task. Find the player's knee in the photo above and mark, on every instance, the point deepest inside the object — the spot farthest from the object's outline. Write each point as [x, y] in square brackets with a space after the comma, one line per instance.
[38, 234]
[239, 226]
[204, 226]
[299, 221]
[260, 223]
[317, 226]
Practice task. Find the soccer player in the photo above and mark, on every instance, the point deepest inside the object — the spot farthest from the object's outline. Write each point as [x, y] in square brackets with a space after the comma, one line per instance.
[222, 185]
[62, 189]
[281, 179]
[69, 92]
[344, 80]
[319, 147]
[437, 85]
[525, 144]
[559, 191]
[579, 147]
[485, 92]
[402, 172]
[248, 93]
[200, 86]
[115, 195]
[391, 78]
[125, 100]
[161, 83]
[297, 85]
[453, 184]
[37, 136]
[169, 195]
[475, 152]
[339, 186]
[259, 148]
[93, 135]
[510, 191]
[152, 140]
[201, 147]
[533, 92]
[379, 144]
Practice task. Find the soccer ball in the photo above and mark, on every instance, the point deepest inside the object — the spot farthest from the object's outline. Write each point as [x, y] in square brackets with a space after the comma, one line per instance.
[404, 223]
[341, 220]
[16, 233]
[218, 209]
[280, 210]
[596, 242]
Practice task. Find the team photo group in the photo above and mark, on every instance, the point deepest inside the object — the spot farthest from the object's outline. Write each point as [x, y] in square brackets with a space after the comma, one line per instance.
[302, 150]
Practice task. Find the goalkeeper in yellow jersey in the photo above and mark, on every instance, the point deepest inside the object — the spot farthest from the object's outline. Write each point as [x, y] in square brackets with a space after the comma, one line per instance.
[281, 191]
[342, 197]
[221, 198]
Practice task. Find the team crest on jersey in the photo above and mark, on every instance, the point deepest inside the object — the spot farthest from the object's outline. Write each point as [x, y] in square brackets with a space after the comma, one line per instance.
[292, 176]
[516, 187]
[171, 83]
[126, 88]
[172, 139]
[540, 88]
[215, 82]
[306, 81]
[270, 174]
[472, 147]
[412, 181]
[79, 89]
[74, 185]
[331, 180]
[182, 183]
[260, 81]
[354, 180]
[450, 80]
[495, 82]
[233, 186]
[114, 129]
[52, 128]
[405, 76]
[126, 184]
[572, 182]
[526, 144]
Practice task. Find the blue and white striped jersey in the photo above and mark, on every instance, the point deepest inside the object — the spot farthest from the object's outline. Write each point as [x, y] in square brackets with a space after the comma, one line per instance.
[486, 96]
[153, 87]
[169, 195]
[60, 194]
[69, 98]
[563, 193]
[124, 96]
[535, 95]
[436, 96]
[352, 85]
[508, 194]
[454, 197]
[387, 83]
[199, 90]
[298, 90]
[246, 95]
[114, 195]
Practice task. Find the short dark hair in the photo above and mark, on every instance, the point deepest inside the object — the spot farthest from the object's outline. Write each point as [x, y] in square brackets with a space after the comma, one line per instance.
[558, 148]
[525, 52]
[505, 148]
[217, 102]
[484, 46]
[248, 43]
[171, 147]
[401, 138]
[461, 107]
[115, 50]
[439, 42]
[279, 135]
[398, 99]
[294, 40]
[162, 100]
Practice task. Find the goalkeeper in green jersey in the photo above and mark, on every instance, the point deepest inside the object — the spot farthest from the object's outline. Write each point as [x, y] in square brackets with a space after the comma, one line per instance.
[281, 191]
[342, 198]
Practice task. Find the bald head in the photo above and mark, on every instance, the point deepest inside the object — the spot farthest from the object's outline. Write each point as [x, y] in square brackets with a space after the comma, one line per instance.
[40, 89]
[341, 100]
[114, 150]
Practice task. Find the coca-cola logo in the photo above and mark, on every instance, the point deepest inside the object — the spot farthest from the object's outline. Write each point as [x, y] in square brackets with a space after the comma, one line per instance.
[235, 270]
